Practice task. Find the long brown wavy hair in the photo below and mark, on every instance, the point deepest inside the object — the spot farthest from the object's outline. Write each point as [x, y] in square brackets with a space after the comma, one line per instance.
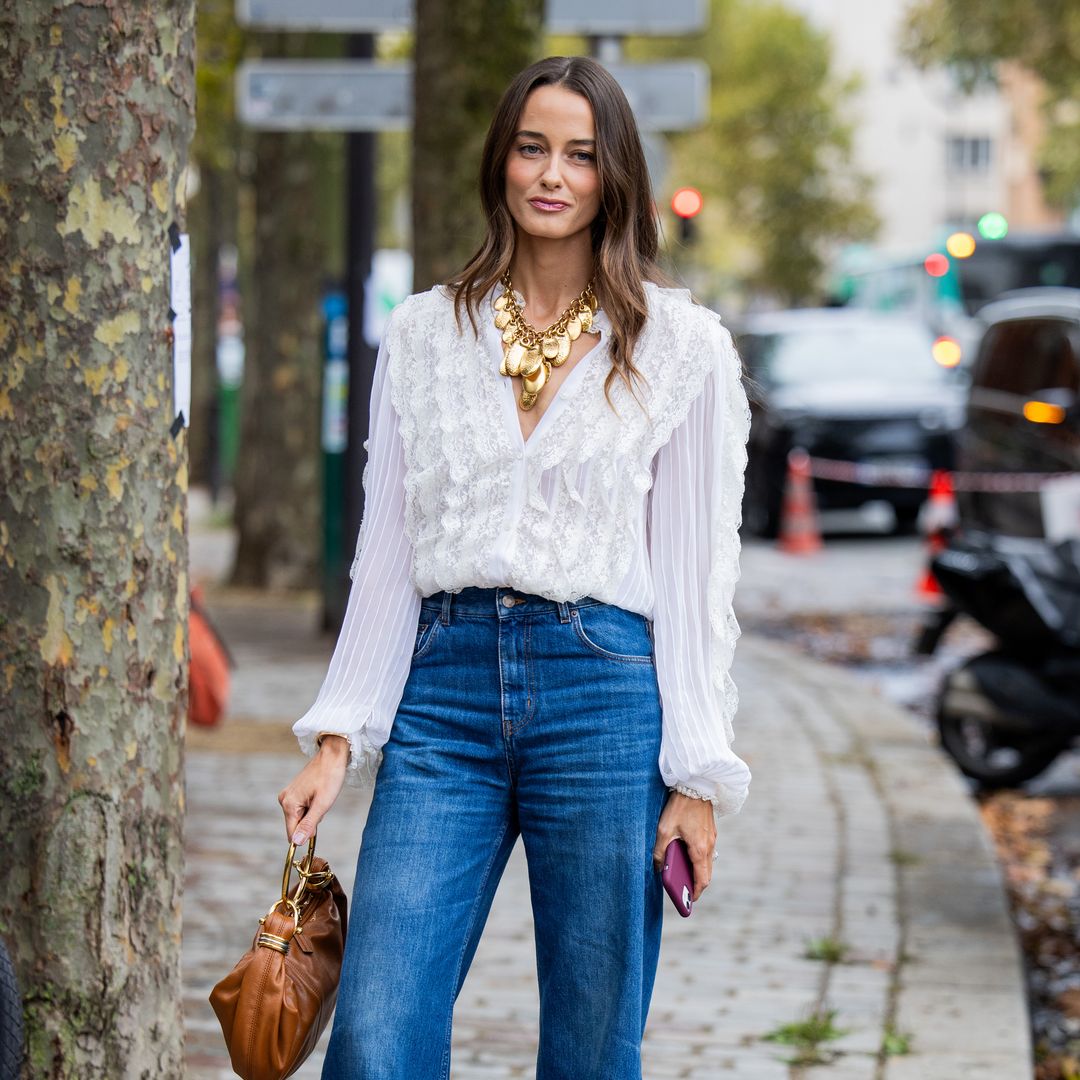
[625, 235]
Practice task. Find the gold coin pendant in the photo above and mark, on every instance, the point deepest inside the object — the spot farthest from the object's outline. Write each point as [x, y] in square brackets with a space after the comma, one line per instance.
[530, 363]
[514, 357]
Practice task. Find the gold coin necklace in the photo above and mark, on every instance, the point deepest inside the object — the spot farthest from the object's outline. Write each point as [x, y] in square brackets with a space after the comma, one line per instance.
[531, 353]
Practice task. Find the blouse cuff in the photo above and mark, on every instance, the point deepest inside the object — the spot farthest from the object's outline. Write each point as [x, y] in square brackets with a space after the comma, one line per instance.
[725, 798]
[364, 757]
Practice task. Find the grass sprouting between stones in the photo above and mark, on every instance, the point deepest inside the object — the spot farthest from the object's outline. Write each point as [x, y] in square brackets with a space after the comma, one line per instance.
[807, 1036]
[827, 948]
[894, 1043]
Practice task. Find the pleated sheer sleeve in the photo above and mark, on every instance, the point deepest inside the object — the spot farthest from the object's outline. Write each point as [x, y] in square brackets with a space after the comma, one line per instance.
[373, 655]
[695, 510]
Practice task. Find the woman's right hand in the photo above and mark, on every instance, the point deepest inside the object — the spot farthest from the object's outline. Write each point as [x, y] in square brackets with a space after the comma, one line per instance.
[307, 800]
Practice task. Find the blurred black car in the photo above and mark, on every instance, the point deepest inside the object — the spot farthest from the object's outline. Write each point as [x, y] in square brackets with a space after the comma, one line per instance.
[1023, 414]
[852, 385]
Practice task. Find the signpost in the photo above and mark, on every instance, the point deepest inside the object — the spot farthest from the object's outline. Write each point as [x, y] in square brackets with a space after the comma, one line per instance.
[598, 18]
[363, 95]
[324, 95]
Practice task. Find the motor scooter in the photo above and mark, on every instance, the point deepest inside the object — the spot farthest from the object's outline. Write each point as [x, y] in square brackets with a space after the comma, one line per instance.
[1005, 715]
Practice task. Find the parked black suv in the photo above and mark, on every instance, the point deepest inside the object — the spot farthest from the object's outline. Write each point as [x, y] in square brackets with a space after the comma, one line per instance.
[850, 385]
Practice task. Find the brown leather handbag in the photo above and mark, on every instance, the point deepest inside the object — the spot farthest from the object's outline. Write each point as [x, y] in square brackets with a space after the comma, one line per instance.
[274, 1004]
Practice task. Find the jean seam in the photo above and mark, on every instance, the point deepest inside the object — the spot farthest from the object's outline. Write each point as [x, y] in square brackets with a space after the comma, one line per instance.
[464, 944]
[530, 686]
[503, 733]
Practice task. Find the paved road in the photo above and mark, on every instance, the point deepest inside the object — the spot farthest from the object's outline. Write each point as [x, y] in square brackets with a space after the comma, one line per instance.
[855, 828]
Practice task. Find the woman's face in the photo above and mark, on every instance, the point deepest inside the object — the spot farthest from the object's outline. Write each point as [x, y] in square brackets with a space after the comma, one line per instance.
[552, 187]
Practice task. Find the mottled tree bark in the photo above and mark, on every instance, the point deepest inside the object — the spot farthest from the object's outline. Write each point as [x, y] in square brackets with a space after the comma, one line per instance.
[466, 54]
[96, 108]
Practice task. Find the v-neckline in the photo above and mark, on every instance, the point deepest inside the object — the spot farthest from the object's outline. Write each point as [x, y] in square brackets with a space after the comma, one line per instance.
[509, 394]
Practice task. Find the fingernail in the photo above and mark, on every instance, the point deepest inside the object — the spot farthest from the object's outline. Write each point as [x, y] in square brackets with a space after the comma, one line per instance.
[298, 838]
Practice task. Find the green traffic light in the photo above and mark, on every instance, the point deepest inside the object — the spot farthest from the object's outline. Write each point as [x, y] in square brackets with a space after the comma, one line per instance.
[993, 226]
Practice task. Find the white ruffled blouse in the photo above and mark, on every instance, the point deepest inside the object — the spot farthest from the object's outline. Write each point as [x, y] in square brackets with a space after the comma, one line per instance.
[635, 512]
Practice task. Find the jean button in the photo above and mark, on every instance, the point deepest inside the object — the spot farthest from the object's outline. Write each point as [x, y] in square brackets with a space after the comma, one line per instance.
[508, 601]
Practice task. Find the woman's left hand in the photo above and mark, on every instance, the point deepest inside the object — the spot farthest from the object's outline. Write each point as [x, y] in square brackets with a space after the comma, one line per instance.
[693, 820]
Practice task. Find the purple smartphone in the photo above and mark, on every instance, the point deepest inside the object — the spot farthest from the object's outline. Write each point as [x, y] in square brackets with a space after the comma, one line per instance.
[678, 876]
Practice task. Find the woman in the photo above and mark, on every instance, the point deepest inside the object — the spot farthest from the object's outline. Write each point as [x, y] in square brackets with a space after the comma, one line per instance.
[548, 553]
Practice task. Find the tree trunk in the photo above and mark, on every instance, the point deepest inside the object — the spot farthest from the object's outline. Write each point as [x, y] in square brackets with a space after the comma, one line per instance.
[277, 484]
[203, 219]
[96, 112]
[466, 53]
[278, 494]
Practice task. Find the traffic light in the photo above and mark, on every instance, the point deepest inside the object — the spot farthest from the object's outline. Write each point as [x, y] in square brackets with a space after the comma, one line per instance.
[936, 264]
[687, 203]
[993, 226]
[960, 245]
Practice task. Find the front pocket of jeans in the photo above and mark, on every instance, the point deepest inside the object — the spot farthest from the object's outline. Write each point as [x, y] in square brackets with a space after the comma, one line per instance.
[606, 634]
[425, 633]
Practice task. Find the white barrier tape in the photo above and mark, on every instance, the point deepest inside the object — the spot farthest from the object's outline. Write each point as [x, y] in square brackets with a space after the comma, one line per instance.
[874, 474]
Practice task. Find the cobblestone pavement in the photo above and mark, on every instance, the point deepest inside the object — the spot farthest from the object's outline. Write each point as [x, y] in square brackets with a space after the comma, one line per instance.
[856, 828]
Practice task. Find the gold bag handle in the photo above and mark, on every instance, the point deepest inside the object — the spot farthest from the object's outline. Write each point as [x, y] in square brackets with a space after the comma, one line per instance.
[303, 868]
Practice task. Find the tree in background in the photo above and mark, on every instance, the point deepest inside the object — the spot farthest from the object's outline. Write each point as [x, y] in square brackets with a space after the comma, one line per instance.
[972, 36]
[278, 504]
[466, 53]
[774, 156]
[217, 153]
[96, 111]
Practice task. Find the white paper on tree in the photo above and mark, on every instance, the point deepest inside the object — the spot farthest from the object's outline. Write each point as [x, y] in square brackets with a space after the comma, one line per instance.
[180, 302]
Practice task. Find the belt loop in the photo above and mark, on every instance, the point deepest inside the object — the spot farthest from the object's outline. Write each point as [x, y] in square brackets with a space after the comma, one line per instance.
[444, 615]
[564, 611]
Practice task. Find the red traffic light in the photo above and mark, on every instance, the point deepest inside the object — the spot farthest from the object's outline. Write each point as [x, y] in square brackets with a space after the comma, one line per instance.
[936, 265]
[686, 202]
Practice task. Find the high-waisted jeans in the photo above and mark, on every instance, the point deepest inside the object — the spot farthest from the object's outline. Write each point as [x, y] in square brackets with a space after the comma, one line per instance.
[535, 718]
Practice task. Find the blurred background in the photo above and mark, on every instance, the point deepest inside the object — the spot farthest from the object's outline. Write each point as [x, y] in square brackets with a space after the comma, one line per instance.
[881, 199]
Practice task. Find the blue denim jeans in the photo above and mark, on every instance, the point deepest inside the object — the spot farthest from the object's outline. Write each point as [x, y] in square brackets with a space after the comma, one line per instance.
[520, 716]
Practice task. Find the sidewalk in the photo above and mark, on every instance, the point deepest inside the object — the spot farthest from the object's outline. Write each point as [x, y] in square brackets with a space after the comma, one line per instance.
[855, 829]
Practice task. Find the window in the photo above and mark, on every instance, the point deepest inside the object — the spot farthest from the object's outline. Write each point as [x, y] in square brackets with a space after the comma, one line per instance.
[967, 154]
[1028, 356]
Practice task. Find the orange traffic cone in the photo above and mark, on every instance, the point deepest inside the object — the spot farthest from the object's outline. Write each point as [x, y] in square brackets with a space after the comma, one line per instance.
[937, 520]
[800, 533]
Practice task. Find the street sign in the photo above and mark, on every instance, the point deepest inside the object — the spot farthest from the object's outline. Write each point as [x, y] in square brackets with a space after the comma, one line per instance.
[657, 160]
[353, 16]
[601, 17]
[595, 17]
[324, 95]
[364, 95]
[666, 96]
